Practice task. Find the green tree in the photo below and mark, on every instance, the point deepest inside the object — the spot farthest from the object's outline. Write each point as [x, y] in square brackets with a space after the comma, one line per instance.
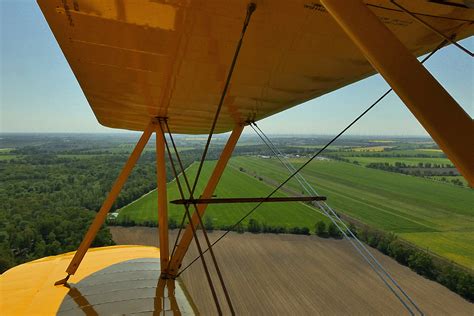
[208, 223]
[172, 224]
[399, 251]
[239, 228]
[421, 263]
[254, 226]
[333, 231]
[352, 228]
[320, 229]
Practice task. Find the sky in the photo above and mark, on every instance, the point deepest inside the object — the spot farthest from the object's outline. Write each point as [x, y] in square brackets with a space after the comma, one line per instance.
[39, 92]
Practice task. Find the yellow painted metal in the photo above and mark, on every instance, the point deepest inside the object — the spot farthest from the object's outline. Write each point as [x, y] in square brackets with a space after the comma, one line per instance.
[28, 289]
[162, 198]
[109, 201]
[187, 237]
[140, 59]
[442, 117]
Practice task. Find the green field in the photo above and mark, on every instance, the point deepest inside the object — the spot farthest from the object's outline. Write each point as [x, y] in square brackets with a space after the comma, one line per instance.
[405, 205]
[83, 156]
[457, 246]
[409, 161]
[234, 183]
[402, 153]
[7, 157]
[433, 215]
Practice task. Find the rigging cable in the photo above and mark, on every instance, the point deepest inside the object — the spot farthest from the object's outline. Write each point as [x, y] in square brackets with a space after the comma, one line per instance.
[452, 41]
[277, 156]
[443, 43]
[206, 237]
[296, 172]
[198, 245]
[250, 9]
[439, 17]
[288, 179]
[334, 217]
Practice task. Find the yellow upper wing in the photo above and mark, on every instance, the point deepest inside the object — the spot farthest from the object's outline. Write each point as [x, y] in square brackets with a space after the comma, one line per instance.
[139, 59]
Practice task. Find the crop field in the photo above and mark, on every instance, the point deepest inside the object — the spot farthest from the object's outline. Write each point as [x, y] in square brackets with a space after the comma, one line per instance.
[430, 150]
[371, 148]
[268, 274]
[396, 153]
[319, 147]
[234, 183]
[7, 156]
[409, 161]
[381, 141]
[83, 156]
[455, 245]
[431, 214]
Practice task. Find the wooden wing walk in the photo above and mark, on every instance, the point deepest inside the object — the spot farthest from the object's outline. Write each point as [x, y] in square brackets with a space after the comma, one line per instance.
[183, 66]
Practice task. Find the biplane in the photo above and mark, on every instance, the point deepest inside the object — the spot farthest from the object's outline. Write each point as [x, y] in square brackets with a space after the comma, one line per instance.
[211, 66]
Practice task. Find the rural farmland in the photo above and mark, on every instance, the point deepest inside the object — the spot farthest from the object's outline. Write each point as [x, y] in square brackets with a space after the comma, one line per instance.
[234, 183]
[300, 275]
[431, 214]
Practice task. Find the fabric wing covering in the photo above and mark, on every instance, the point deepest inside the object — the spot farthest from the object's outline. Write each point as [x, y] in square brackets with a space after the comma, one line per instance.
[140, 59]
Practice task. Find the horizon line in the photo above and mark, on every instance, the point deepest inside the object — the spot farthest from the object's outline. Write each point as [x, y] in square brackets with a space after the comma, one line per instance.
[127, 132]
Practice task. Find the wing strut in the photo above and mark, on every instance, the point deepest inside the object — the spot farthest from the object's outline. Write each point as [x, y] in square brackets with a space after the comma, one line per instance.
[106, 206]
[442, 117]
[193, 226]
[181, 249]
[327, 211]
[162, 197]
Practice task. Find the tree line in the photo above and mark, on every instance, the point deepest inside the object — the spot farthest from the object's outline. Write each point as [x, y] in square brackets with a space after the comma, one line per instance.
[456, 279]
[48, 201]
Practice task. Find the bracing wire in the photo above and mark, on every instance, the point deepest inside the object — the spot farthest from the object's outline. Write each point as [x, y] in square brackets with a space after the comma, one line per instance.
[270, 145]
[250, 9]
[336, 220]
[196, 239]
[306, 163]
[288, 179]
[206, 237]
[433, 29]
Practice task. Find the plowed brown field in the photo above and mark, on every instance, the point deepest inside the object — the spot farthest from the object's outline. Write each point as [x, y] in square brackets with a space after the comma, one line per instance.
[269, 274]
